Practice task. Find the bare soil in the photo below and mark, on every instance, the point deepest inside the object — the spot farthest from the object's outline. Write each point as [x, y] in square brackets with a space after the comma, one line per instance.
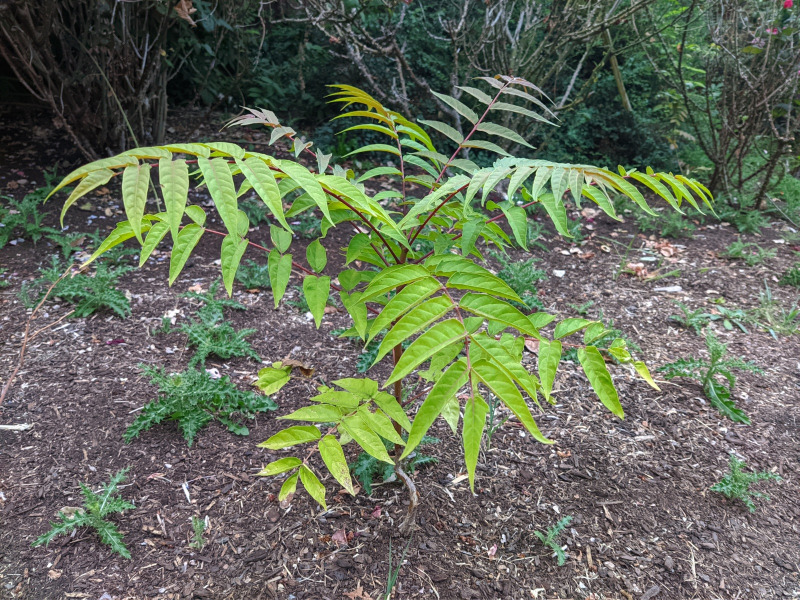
[645, 523]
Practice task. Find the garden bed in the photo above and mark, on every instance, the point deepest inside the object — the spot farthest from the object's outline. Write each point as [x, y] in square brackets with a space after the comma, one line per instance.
[645, 524]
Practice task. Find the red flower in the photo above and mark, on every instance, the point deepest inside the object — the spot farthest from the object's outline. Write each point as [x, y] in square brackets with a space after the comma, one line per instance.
[788, 3]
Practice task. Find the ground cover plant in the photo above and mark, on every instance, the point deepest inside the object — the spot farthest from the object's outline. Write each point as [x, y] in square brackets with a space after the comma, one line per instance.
[752, 254]
[550, 539]
[736, 484]
[193, 399]
[96, 507]
[455, 312]
[88, 291]
[715, 376]
[791, 276]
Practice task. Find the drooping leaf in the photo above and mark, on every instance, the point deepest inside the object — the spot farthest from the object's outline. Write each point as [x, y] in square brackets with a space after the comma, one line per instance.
[135, 182]
[549, 357]
[261, 177]
[288, 488]
[357, 428]
[292, 436]
[409, 297]
[316, 290]
[219, 181]
[182, 249]
[436, 338]
[443, 390]
[333, 456]
[317, 256]
[280, 269]
[280, 466]
[494, 309]
[596, 371]
[475, 413]
[173, 176]
[233, 248]
[153, 239]
[272, 379]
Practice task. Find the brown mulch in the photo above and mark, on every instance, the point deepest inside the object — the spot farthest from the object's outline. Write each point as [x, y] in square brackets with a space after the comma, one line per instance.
[645, 524]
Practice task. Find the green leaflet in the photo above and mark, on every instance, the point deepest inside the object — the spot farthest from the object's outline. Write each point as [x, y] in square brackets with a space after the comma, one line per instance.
[173, 176]
[389, 404]
[458, 106]
[135, 181]
[338, 398]
[233, 248]
[556, 211]
[503, 132]
[226, 149]
[316, 290]
[506, 391]
[154, 237]
[482, 282]
[444, 390]
[518, 221]
[315, 413]
[280, 466]
[219, 181]
[436, 338]
[333, 456]
[393, 277]
[272, 379]
[261, 177]
[475, 413]
[444, 129]
[313, 486]
[644, 373]
[292, 436]
[182, 249]
[196, 214]
[406, 299]
[414, 322]
[121, 233]
[595, 368]
[499, 355]
[493, 309]
[280, 269]
[305, 179]
[357, 309]
[316, 256]
[380, 424]
[102, 167]
[549, 357]
[94, 180]
[570, 326]
[288, 488]
[471, 230]
[362, 387]
[357, 428]
[280, 238]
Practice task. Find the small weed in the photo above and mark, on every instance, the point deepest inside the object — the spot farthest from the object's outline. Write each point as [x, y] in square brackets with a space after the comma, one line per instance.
[708, 373]
[736, 485]
[4, 282]
[96, 507]
[89, 293]
[752, 254]
[549, 539]
[669, 224]
[522, 277]
[218, 339]
[394, 572]
[604, 341]
[307, 225]
[23, 218]
[535, 233]
[576, 231]
[772, 317]
[254, 276]
[582, 309]
[198, 527]
[212, 310]
[193, 398]
[367, 468]
[745, 221]
[255, 210]
[690, 319]
[791, 276]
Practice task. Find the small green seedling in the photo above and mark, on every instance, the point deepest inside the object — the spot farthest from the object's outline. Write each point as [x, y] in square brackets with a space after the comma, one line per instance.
[89, 293]
[752, 254]
[736, 484]
[394, 572]
[709, 372]
[495, 421]
[4, 282]
[96, 507]
[254, 276]
[549, 539]
[198, 527]
[668, 224]
[194, 398]
[791, 276]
